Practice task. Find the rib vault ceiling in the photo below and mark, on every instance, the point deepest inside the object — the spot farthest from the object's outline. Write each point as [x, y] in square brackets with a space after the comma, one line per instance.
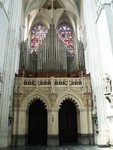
[41, 10]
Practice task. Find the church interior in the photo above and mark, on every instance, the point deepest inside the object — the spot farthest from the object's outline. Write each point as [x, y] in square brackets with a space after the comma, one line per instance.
[56, 77]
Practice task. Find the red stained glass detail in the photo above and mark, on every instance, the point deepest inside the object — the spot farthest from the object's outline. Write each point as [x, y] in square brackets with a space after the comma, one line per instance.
[38, 33]
[65, 34]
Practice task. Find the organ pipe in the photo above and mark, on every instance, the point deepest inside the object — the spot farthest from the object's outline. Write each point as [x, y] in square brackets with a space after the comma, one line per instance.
[51, 54]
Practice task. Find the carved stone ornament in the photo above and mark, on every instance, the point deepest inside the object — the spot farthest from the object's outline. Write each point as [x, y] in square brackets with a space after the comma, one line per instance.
[107, 84]
[53, 97]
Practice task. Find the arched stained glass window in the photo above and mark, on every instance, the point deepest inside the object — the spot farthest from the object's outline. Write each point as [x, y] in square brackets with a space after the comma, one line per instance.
[38, 33]
[65, 34]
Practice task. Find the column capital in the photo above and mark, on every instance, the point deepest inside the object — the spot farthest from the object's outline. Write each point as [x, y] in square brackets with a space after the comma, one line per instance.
[86, 109]
[19, 109]
[52, 110]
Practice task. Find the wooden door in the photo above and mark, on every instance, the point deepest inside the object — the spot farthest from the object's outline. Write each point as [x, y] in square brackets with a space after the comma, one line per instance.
[68, 123]
[37, 128]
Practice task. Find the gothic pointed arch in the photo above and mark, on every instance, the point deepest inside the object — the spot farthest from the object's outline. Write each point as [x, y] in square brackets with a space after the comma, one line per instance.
[72, 96]
[40, 18]
[29, 99]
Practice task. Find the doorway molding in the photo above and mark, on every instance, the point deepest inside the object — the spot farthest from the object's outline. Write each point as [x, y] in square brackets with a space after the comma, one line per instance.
[73, 96]
[30, 98]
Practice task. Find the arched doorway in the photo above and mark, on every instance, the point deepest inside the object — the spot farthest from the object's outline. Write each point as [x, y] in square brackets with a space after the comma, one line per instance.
[37, 124]
[68, 123]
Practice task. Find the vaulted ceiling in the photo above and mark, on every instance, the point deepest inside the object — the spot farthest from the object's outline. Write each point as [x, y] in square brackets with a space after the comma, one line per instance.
[41, 10]
[71, 5]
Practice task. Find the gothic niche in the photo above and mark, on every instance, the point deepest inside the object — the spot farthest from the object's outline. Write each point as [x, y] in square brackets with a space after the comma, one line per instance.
[107, 87]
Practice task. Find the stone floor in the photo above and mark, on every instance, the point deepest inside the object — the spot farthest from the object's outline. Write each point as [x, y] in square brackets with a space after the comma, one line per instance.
[58, 148]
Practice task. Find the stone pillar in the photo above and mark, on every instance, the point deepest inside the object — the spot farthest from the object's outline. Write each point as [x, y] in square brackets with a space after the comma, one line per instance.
[19, 127]
[13, 16]
[106, 37]
[96, 69]
[5, 137]
[110, 122]
[104, 24]
[86, 128]
[53, 129]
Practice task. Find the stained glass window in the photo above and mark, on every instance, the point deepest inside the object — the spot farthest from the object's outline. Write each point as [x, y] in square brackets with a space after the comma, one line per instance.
[65, 34]
[38, 33]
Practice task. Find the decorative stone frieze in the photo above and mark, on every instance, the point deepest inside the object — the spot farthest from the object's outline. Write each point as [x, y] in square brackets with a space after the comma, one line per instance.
[51, 87]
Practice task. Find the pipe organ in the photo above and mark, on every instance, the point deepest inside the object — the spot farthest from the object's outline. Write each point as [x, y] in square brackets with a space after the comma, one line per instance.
[50, 57]
[54, 53]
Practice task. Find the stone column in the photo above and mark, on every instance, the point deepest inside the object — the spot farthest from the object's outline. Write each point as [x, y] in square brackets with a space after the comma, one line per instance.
[96, 69]
[104, 24]
[19, 127]
[13, 16]
[86, 127]
[53, 129]
[110, 121]
[5, 100]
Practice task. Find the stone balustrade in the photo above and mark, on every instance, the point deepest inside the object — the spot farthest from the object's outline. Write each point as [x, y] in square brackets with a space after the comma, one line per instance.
[55, 81]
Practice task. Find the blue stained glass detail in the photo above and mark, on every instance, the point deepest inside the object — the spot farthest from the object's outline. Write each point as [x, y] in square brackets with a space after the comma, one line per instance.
[38, 33]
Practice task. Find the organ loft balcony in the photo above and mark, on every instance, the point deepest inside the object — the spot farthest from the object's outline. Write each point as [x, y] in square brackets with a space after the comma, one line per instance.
[51, 88]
